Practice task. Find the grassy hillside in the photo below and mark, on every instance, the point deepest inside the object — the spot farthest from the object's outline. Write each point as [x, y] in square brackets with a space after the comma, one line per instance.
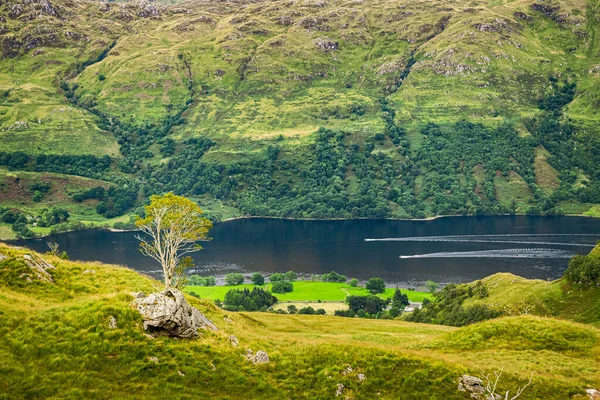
[507, 294]
[426, 108]
[56, 344]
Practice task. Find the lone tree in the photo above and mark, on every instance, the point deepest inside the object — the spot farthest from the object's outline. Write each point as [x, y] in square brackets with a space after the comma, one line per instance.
[173, 224]
[375, 285]
[432, 286]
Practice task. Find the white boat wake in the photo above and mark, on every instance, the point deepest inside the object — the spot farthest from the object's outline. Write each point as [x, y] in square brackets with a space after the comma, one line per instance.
[507, 253]
[517, 239]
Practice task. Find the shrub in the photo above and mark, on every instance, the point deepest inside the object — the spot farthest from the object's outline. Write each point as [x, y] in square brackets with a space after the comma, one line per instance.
[344, 313]
[307, 310]
[234, 279]
[320, 311]
[291, 276]
[333, 277]
[354, 282]
[375, 285]
[281, 287]
[292, 309]
[277, 277]
[258, 279]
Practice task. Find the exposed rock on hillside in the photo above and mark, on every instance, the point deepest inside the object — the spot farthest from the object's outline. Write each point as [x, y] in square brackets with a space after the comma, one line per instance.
[168, 313]
[39, 267]
[261, 357]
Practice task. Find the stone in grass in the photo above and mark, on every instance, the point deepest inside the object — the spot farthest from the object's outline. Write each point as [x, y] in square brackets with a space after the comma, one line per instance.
[261, 357]
[233, 340]
[168, 313]
[339, 390]
[112, 323]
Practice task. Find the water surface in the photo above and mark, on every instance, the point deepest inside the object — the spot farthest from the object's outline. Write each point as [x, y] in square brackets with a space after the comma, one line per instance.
[452, 249]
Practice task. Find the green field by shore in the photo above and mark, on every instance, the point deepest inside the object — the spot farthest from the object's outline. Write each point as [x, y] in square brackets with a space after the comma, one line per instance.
[306, 291]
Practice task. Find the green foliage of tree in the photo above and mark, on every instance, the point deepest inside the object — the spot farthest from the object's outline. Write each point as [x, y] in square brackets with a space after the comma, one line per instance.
[333, 277]
[344, 313]
[282, 287]
[292, 309]
[173, 225]
[370, 304]
[320, 311]
[276, 277]
[258, 279]
[291, 276]
[399, 300]
[353, 282]
[375, 285]
[307, 310]
[234, 279]
[432, 286]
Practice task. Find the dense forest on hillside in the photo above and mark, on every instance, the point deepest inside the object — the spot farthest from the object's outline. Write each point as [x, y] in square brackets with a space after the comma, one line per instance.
[378, 109]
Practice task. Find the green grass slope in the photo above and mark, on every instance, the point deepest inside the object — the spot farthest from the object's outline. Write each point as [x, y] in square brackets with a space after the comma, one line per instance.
[55, 343]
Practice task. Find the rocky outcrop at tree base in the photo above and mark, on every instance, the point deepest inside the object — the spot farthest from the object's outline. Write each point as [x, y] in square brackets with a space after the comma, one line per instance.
[168, 313]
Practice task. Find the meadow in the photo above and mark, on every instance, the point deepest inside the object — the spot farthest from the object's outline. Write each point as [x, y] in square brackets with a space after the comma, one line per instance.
[307, 291]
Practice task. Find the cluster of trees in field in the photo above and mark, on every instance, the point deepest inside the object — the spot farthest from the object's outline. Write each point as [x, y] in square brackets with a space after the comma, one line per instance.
[256, 299]
[21, 222]
[448, 308]
[372, 306]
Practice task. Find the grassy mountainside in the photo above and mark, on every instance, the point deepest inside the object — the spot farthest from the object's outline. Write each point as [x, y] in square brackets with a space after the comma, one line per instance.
[56, 343]
[506, 294]
[224, 101]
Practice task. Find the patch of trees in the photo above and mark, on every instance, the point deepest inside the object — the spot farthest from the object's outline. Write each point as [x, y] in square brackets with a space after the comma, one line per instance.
[113, 201]
[289, 276]
[49, 217]
[334, 277]
[39, 190]
[246, 300]
[82, 165]
[197, 280]
[366, 306]
[448, 309]
[311, 311]
[282, 287]
[234, 279]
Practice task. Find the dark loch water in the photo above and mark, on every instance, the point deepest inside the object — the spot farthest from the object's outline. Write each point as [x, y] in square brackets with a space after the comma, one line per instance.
[453, 249]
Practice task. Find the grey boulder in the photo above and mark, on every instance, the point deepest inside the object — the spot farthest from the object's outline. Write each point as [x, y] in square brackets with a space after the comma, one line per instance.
[168, 313]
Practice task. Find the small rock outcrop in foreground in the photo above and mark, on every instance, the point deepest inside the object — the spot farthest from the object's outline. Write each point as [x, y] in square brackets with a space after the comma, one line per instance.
[261, 357]
[39, 267]
[168, 313]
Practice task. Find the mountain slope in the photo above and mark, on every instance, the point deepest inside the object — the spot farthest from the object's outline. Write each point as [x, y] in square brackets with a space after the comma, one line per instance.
[56, 342]
[431, 108]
